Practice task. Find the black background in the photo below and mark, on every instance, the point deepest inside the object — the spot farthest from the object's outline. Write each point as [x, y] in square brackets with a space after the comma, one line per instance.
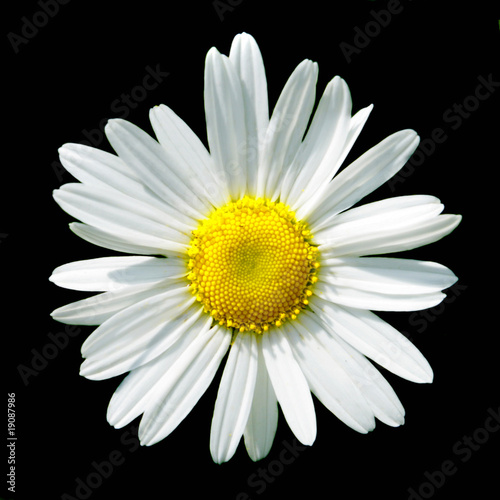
[62, 80]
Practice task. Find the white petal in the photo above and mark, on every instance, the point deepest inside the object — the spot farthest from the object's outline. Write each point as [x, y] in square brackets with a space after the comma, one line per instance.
[328, 379]
[377, 392]
[376, 339]
[317, 160]
[111, 211]
[263, 419]
[286, 127]
[99, 168]
[386, 275]
[364, 175]
[138, 334]
[375, 301]
[99, 308]
[156, 168]
[234, 398]
[247, 62]
[391, 225]
[188, 152]
[112, 273]
[140, 388]
[113, 240]
[225, 116]
[383, 401]
[308, 206]
[397, 208]
[356, 125]
[290, 386]
[183, 385]
[143, 317]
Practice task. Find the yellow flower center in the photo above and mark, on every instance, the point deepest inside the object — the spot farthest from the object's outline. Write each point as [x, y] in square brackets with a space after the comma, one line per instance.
[252, 264]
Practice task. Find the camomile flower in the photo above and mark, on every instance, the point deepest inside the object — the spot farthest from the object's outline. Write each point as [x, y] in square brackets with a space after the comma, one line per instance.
[252, 250]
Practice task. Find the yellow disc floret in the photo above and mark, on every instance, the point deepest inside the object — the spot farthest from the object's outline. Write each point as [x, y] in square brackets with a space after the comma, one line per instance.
[252, 264]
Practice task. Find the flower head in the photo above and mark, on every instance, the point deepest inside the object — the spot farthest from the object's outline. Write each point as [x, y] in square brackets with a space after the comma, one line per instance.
[252, 249]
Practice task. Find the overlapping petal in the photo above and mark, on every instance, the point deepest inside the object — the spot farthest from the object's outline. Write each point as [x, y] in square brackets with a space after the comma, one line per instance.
[247, 61]
[374, 338]
[290, 386]
[139, 389]
[263, 418]
[286, 128]
[226, 124]
[149, 198]
[234, 398]
[138, 334]
[183, 384]
[108, 210]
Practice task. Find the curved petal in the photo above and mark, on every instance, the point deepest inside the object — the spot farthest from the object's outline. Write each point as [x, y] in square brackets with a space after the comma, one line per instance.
[307, 206]
[361, 299]
[112, 273]
[286, 127]
[234, 398]
[263, 419]
[98, 168]
[155, 166]
[140, 388]
[188, 153]
[379, 395]
[290, 386]
[386, 226]
[363, 176]
[114, 240]
[99, 308]
[383, 401]
[327, 378]
[109, 210]
[225, 117]
[374, 338]
[386, 275]
[183, 385]
[247, 61]
[317, 160]
[138, 334]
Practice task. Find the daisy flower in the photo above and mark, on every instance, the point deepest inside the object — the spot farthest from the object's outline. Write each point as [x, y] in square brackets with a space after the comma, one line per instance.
[251, 249]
